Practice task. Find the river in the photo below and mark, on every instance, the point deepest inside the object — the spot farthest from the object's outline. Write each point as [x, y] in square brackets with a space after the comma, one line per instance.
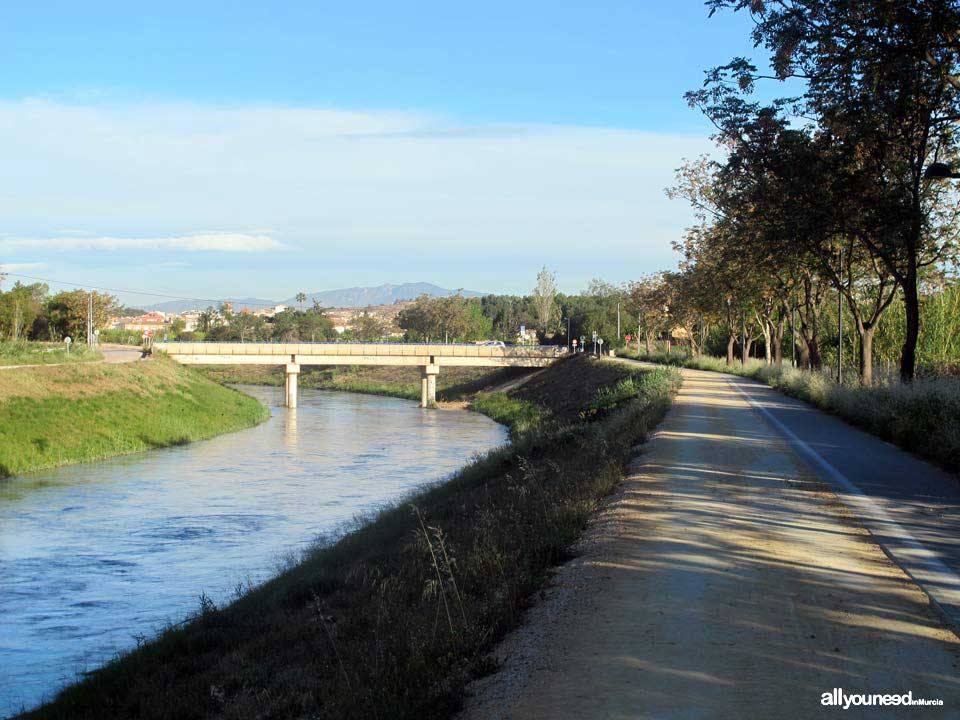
[94, 556]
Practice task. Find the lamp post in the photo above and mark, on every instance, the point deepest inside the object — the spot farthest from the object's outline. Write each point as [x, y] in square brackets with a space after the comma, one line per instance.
[619, 338]
[569, 337]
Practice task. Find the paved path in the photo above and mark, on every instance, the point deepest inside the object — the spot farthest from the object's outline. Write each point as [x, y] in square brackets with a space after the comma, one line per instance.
[727, 580]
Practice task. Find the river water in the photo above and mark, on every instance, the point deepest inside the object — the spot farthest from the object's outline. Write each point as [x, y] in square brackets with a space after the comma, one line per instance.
[92, 556]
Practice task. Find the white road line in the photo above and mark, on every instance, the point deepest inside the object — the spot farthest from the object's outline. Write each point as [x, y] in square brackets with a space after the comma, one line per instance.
[939, 582]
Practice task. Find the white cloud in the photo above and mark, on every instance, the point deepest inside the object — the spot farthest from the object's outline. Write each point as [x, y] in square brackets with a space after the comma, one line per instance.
[208, 242]
[343, 188]
[20, 267]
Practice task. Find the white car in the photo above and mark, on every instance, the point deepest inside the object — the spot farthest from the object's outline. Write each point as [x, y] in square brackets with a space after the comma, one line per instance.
[494, 343]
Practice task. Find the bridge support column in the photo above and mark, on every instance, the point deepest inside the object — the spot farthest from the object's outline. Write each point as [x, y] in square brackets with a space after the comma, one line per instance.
[428, 385]
[293, 370]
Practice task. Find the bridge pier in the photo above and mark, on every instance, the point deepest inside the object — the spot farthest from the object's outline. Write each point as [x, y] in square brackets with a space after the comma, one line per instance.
[428, 385]
[290, 385]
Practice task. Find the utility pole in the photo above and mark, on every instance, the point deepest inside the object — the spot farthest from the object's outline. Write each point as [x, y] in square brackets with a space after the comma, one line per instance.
[90, 318]
[618, 322]
[840, 320]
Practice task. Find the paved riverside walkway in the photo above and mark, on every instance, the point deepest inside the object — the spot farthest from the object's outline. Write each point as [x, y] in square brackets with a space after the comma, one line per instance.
[733, 577]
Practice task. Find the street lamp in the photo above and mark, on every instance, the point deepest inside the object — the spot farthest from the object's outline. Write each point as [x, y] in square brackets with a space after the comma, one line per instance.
[940, 171]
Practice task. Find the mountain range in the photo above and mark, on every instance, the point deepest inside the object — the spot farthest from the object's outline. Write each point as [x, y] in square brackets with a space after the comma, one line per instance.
[354, 297]
[385, 294]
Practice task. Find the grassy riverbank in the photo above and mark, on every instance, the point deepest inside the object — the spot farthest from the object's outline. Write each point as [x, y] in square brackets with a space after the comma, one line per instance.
[920, 417]
[52, 416]
[393, 619]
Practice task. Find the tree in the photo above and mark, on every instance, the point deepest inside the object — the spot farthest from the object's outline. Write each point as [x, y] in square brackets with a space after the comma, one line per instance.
[881, 81]
[20, 307]
[67, 312]
[301, 299]
[544, 300]
[177, 327]
[452, 318]
[369, 328]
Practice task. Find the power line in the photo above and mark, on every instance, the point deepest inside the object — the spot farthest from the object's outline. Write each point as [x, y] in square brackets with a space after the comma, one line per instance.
[120, 290]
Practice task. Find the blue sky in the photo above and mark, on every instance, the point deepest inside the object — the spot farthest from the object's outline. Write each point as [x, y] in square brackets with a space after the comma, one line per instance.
[242, 148]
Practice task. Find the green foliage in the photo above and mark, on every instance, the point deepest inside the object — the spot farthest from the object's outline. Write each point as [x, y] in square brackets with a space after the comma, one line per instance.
[519, 415]
[121, 337]
[300, 325]
[596, 310]
[453, 318]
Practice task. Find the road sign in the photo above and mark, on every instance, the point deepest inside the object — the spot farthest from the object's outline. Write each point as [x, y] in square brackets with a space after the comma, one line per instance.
[575, 341]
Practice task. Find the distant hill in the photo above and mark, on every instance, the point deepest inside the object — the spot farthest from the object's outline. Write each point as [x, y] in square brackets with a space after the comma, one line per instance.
[386, 294]
[178, 306]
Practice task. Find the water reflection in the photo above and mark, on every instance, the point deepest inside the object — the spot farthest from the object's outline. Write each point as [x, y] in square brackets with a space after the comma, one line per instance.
[93, 555]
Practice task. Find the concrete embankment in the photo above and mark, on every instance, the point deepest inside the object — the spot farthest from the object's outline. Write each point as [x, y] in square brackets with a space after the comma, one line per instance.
[65, 414]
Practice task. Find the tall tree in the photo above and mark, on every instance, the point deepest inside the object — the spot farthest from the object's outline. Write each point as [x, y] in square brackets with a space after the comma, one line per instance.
[545, 299]
[881, 78]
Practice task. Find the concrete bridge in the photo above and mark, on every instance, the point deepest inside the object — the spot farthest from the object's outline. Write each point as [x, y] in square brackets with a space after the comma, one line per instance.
[428, 357]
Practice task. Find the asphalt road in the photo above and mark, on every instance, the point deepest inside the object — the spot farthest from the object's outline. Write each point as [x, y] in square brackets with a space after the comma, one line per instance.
[739, 573]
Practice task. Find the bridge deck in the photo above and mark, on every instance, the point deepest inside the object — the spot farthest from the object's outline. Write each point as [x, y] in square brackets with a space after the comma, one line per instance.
[422, 354]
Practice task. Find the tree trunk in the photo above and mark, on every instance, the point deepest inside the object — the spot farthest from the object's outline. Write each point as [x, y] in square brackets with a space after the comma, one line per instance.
[803, 351]
[767, 355]
[911, 306]
[731, 341]
[749, 349]
[866, 354]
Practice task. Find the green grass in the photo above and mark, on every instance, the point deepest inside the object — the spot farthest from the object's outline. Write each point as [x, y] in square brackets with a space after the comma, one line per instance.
[395, 617]
[520, 416]
[921, 417]
[69, 414]
[36, 353]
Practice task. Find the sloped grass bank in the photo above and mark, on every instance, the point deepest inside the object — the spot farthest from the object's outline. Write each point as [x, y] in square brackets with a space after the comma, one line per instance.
[922, 417]
[393, 619]
[80, 413]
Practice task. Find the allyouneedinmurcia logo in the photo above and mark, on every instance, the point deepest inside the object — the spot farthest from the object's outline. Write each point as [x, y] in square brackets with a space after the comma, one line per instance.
[838, 698]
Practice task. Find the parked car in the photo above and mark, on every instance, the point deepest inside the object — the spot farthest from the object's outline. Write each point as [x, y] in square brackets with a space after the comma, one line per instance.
[494, 343]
